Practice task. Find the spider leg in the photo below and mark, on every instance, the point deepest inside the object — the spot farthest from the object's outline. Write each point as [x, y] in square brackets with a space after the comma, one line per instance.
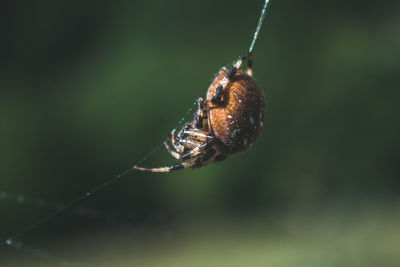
[192, 137]
[200, 115]
[197, 150]
[192, 153]
[202, 136]
[217, 98]
[250, 64]
[173, 153]
[162, 169]
[178, 147]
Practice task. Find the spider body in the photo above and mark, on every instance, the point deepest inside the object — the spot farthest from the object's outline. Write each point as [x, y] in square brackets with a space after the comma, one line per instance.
[228, 121]
[238, 121]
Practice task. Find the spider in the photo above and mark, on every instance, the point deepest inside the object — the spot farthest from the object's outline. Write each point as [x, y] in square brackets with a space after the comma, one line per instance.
[227, 121]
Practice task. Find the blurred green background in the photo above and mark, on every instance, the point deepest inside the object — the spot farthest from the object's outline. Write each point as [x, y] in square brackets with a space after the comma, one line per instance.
[88, 88]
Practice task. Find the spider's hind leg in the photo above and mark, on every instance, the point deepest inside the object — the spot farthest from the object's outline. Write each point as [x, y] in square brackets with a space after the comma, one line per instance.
[162, 169]
[173, 153]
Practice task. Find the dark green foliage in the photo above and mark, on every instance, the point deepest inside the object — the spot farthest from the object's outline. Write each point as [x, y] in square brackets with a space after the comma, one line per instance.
[88, 88]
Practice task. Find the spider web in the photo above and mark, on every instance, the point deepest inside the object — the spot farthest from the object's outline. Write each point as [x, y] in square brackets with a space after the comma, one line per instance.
[59, 208]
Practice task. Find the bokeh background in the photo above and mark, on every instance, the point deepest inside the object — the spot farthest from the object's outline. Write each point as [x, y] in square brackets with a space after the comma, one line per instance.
[89, 88]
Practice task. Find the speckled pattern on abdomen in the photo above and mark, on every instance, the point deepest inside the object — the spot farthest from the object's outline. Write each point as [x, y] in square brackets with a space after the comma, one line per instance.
[239, 120]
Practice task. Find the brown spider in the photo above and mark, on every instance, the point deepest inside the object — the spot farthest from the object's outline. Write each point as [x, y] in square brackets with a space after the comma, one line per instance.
[228, 121]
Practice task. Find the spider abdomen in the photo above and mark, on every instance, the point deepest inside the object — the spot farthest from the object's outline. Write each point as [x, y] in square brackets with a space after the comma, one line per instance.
[238, 120]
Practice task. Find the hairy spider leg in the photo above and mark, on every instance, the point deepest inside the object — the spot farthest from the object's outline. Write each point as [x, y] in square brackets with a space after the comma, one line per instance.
[191, 154]
[178, 147]
[216, 100]
[173, 153]
[199, 115]
[162, 169]
[200, 139]
[201, 146]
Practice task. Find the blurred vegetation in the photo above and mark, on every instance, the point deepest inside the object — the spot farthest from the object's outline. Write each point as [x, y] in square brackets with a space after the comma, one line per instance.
[88, 89]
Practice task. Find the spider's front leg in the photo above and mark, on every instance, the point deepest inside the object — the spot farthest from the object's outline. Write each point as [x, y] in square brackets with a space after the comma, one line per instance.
[200, 117]
[249, 64]
[216, 101]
